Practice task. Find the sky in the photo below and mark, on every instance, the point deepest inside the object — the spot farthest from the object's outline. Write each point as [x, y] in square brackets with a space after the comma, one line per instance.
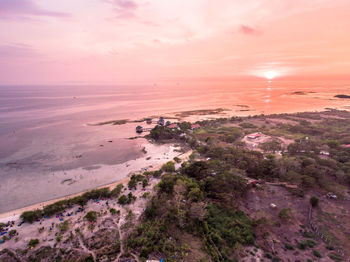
[164, 41]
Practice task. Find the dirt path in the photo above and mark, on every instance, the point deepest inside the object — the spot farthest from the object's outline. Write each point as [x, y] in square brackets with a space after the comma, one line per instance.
[86, 249]
[121, 242]
[119, 224]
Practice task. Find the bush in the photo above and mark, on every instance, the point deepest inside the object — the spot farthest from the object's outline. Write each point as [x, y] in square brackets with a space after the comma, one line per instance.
[302, 245]
[314, 201]
[166, 185]
[335, 257]
[310, 243]
[13, 232]
[247, 125]
[64, 226]
[91, 216]
[288, 246]
[169, 167]
[146, 195]
[33, 243]
[31, 216]
[113, 211]
[330, 247]
[123, 200]
[117, 190]
[97, 193]
[316, 253]
[285, 214]
[177, 160]
[308, 234]
[144, 182]
[144, 252]
[132, 184]
[59, 238]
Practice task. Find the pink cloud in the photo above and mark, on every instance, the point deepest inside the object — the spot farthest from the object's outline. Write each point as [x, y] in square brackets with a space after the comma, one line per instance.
[125, 9]
[247, 30]
[17, 51]
[10, 9]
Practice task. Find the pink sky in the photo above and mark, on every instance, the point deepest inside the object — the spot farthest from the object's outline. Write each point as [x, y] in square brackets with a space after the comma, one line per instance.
[156, 41]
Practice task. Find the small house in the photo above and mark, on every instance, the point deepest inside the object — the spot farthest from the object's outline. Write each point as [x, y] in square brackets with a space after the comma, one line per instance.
[324, 153]
[254, 136]
[161, 121]
[195, 126]
[173, 126]
[139, 129]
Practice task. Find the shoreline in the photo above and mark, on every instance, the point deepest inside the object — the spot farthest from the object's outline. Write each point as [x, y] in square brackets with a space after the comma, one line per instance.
[15, 214]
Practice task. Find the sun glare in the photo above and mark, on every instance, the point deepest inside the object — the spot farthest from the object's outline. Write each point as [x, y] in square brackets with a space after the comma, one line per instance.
[270, 75]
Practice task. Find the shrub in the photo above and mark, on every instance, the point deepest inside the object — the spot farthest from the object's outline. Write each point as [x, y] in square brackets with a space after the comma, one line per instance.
[146, 195]
[91, 216]
[302, 245]
[59, 238]
[314, 201]
[31, 216]
[330, 247]
[288, 246]
[33, 243]
[316, 253]
[123, 200]
[310, 243]
[64, 226]
[132, 184]
[247, 125]
[97, 193]
[166, 185]
[169, 167]
[177, 160]
[117, 190]
[335, 257]
[13, 232]
[144, 182]
[285, 214]
[144, 252]
[113, 211]
[308, 234]
[131, 198]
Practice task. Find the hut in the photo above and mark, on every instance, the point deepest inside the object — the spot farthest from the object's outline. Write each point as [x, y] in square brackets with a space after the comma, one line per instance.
[161, 121]
[195, 126]
[254, 136]
[139, 129]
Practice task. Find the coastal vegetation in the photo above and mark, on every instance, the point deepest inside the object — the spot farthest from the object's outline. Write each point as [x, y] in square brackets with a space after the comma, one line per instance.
[230, 200]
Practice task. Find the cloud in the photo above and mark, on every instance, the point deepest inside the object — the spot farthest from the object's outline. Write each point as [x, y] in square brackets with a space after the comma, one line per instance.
[125, 9]
[14, 9]
[247, 30]
[17, 51]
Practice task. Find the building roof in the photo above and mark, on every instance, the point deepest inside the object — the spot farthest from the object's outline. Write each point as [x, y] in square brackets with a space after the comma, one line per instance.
[195, 126]
[346, 145]
[172, 126]
[255, 135]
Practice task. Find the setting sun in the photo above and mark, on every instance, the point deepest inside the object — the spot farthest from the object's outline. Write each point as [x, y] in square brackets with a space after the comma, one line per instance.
[270, 75]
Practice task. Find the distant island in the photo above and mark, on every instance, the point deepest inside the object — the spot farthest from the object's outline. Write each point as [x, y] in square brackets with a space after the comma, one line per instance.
[342, 96]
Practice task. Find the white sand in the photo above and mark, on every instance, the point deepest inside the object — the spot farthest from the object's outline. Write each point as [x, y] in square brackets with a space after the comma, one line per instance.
[105, 175]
